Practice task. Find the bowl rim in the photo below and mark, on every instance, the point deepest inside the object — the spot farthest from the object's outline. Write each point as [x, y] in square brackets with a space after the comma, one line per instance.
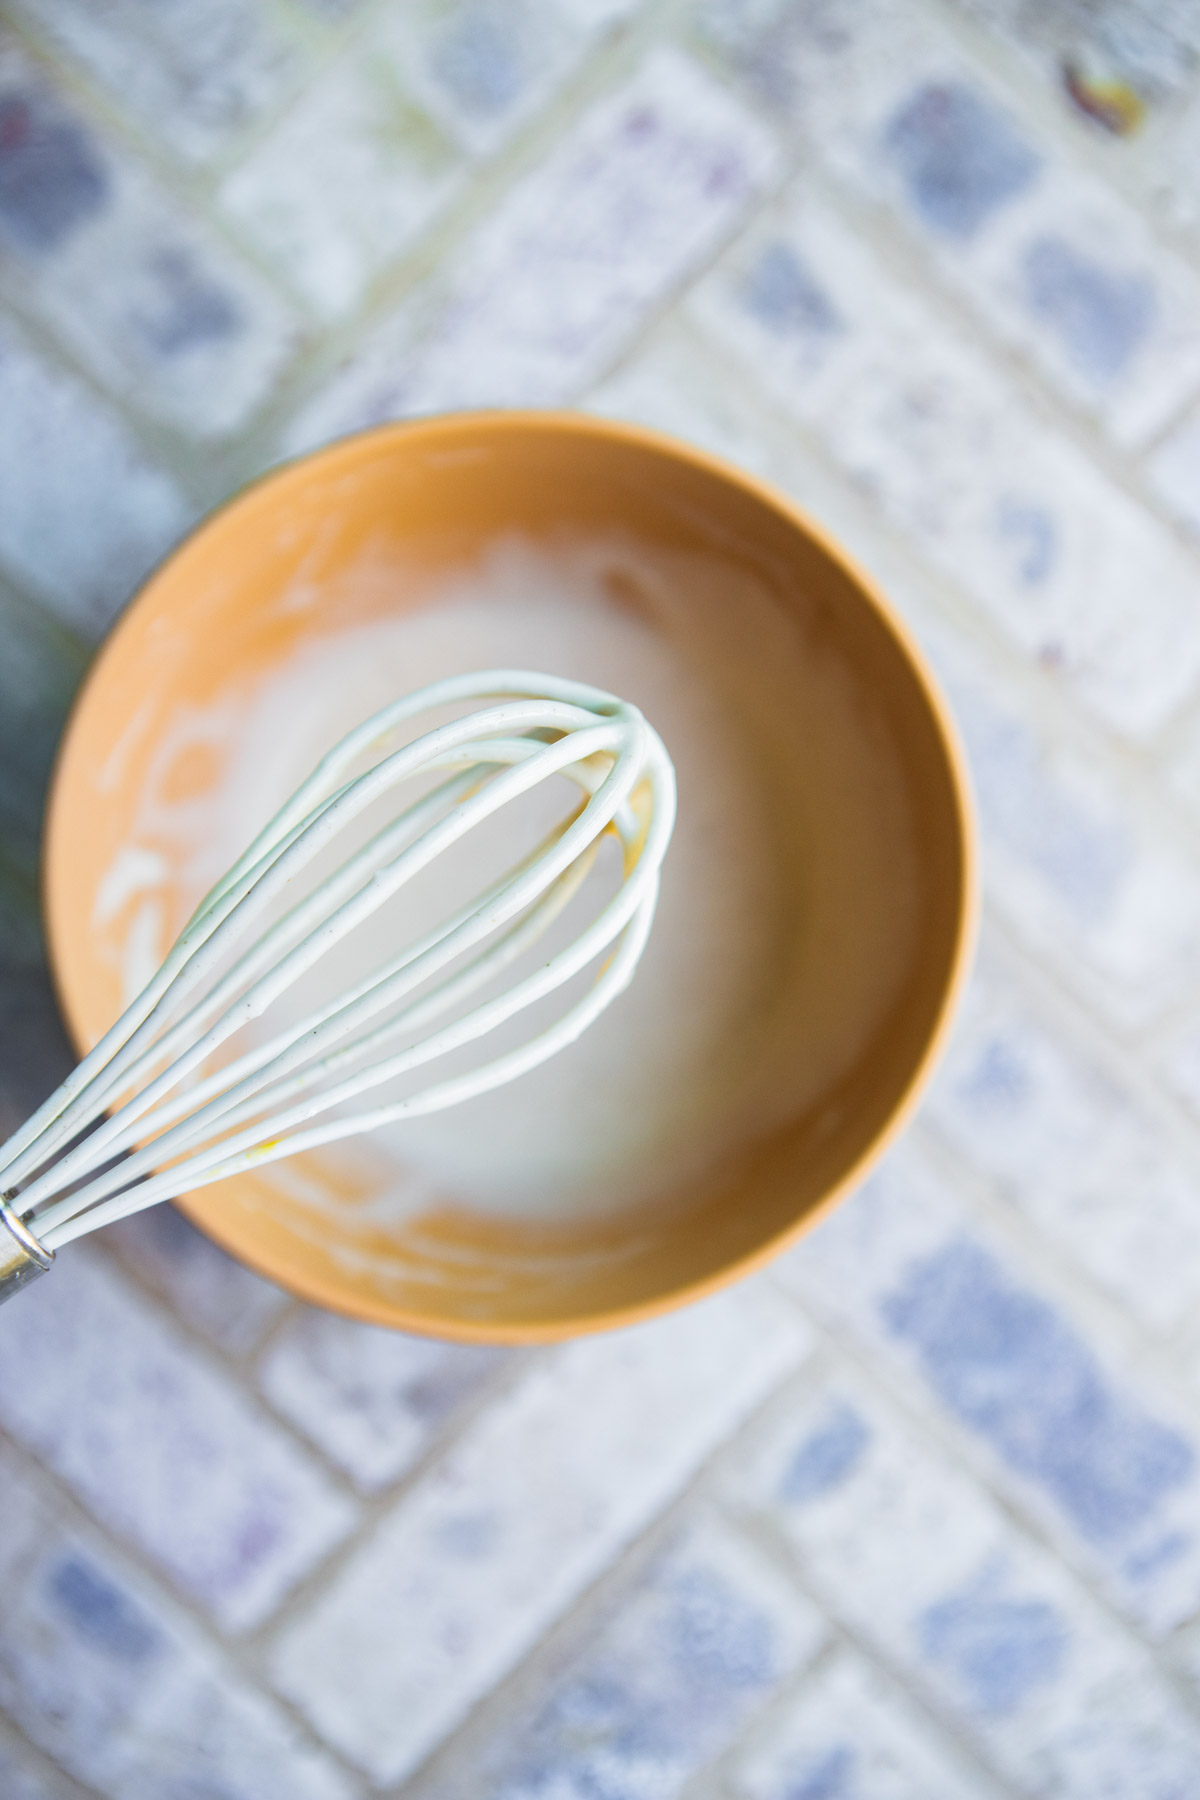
[343, 452]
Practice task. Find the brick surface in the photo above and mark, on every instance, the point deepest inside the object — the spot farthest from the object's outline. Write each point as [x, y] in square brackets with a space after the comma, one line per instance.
[568, 266]
[984, 1623]
[1047, 255]
[373, 1400]
[346, 181]
[84, 514]
[110, 1681]
[162, 1446]
[172, 318]
[1011, 510]
[491, 1547]
[849, 1732]
[1106, 1462]
[659, 1684]
[674, 386]
[915, 1515]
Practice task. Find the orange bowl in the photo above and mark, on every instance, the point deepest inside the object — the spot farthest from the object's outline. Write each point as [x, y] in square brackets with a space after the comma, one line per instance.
[265, 579]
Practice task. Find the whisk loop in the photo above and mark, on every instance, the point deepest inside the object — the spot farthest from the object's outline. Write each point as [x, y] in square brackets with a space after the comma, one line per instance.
[145, 1117]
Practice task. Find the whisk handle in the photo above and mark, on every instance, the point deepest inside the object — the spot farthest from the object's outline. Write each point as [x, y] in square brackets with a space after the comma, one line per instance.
[22, 1258]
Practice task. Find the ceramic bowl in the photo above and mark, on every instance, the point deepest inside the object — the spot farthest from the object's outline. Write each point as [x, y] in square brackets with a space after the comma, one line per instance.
[264, 577]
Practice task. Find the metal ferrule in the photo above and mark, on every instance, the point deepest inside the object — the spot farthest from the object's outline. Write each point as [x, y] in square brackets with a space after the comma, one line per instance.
[22, 1258]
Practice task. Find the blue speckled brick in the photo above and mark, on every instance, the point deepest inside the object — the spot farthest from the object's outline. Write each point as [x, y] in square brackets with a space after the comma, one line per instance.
[53, 177]
[1000, 1646]
[923, 1565]
[102, 1614]
[960, 157]
[784, 291]
[1107, 1460]
[826, 1457]
[664, 1684]
[173, 317]
[1009, 1366]
[103, 1673]
[159, 1440]
[1101, 315]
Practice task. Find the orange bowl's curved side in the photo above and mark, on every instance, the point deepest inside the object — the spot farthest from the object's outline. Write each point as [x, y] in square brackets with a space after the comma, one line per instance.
[210, 617]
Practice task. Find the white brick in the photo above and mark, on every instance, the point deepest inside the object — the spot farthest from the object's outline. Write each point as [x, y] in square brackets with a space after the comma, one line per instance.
[1046, 254]
[1181, 1064]
[524, 1512]
[147, 296]
[1138, 1742]
[654, 1683]
[1181, 766]
[193, 76]
[373, 1400]
[83, 514]
[1070, 567]
[1076, 1152]
[161, 1444]
[345, 182]
[1170, 162]
[1088, 865]
[849, 1732]
[124, 1693]
[986, 1625]
[203, 1285]
[1097, 1454]
[571, 261]
[1079, 283]
[673, 386]
[1174, 471]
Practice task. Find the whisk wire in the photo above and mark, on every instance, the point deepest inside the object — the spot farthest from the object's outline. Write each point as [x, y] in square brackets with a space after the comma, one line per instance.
[174, 1125]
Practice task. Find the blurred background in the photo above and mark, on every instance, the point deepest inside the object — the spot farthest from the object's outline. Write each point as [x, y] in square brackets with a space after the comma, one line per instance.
[916, 1516]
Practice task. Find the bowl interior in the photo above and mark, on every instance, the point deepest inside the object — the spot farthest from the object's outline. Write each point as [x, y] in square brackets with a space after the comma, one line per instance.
[375, 528]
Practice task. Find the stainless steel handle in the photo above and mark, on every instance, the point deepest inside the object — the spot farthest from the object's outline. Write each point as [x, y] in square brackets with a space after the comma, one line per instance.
[22, 1258]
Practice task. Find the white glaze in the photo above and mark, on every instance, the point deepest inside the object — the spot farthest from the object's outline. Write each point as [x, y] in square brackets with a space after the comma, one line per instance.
[751, 1000]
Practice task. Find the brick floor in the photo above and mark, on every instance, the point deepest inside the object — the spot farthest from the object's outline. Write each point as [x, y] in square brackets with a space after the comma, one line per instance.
[914, 1515]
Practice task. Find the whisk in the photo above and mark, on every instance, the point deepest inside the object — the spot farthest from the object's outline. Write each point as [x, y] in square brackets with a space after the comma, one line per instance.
[146, 1116]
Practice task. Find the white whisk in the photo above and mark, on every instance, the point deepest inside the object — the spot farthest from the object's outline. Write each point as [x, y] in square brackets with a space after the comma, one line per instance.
[175, 1122]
